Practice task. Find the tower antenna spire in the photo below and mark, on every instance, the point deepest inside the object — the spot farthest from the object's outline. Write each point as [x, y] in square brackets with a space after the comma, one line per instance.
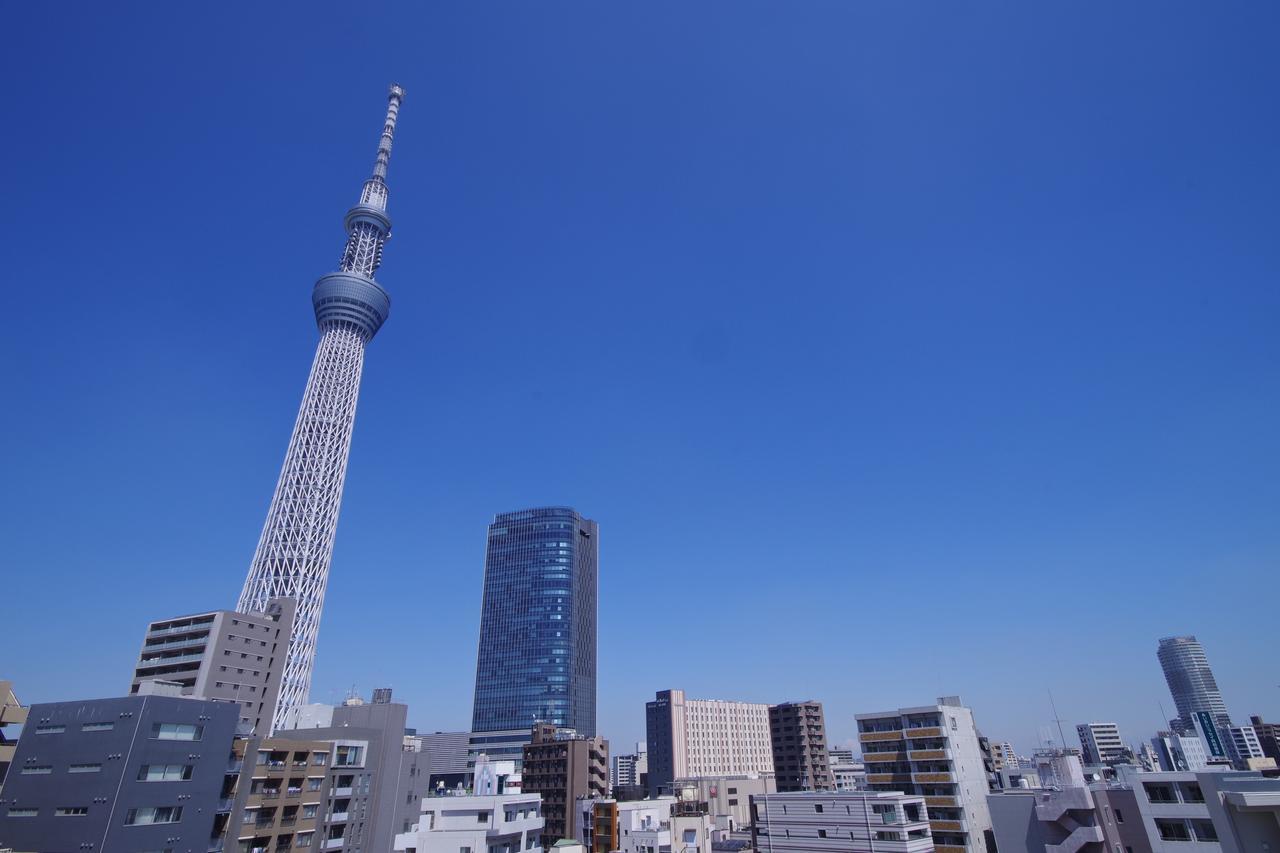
[375, 189]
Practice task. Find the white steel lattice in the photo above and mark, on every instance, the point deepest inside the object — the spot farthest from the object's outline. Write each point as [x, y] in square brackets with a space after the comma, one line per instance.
[297, 541]
[296, 547]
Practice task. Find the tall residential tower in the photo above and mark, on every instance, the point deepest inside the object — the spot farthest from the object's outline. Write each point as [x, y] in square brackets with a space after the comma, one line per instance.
[537, 656]
[294, 552]
[1191, 681]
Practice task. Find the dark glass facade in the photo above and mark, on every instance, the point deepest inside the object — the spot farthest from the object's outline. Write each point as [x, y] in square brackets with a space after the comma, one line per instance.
[537, 656]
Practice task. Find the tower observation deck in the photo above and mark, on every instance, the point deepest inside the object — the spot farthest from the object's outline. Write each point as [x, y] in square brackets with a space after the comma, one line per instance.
[296, 547]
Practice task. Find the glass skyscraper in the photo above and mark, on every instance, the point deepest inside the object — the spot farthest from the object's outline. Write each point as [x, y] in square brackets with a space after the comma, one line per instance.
[537, 656]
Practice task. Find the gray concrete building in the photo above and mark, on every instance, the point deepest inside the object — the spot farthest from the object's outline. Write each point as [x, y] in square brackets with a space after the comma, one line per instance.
[563, 768]
[134, 773]
[1100, 743]
[840, 822]
[278, 796]
[221, 655]
[375, 782]
[445, 754]
[932, 751]
[798, 731]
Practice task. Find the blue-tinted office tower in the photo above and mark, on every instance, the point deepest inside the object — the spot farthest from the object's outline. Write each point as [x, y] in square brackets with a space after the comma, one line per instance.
[537, 656]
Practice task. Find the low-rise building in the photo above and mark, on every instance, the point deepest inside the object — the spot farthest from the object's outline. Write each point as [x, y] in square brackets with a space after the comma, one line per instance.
[727, 798]
[134, 773]
[843, 821]
[1242, 745]
[489, 823]
[221, 655]
[633, 826]
[1100, 743]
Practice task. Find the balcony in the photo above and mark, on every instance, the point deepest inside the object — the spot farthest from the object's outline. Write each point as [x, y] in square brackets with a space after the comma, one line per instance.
[930, 755]
[876, 737]
[888, 778]
[941, 802]
[924, 731]
[340, 792]
[949, 826]
[950, 848]
[933, 778]
[881, 757]
[225, 804]
[176, 659]
[332, 844]
[339, 817]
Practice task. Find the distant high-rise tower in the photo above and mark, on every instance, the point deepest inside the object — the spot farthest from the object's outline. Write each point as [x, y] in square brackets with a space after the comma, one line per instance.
[1191, 682]
[294, 552]
[537, 655]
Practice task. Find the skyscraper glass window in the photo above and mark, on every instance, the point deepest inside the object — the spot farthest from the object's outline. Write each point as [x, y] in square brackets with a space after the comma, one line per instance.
[537, 655]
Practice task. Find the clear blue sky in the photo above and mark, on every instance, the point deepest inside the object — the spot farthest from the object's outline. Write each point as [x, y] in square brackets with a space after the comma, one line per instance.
[899, 349]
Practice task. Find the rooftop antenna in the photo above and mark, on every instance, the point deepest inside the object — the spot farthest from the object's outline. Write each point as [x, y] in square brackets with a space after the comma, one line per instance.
[1061, 737]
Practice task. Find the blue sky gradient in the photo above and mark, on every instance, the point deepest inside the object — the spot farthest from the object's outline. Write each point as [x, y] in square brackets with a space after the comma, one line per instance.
[899, 349]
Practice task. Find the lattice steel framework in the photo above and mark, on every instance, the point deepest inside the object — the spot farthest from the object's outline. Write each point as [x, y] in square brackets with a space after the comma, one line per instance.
[296, 547]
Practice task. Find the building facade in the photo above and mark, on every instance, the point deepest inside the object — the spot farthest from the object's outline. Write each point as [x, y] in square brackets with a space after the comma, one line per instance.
[606, 825]
[280, 795]
[375, 784]
[689, 738]
[932, 751]
[856, 822]
[1268, 736]
[537, 654]
[799, 734]
[1100, 743]
[1243, 745]
[223, 656]
[563, 769]
[134, 773]
[1191, 682]
[495, 823]
[12, 713]
[296, 546]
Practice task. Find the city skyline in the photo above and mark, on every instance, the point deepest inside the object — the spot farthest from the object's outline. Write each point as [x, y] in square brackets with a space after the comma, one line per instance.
[745, 318]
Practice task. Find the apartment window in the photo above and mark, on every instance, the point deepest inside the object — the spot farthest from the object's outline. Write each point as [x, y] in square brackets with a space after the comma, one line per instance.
[23, 812]
[464, 850]
[313, 784]
[1204, 830]
[347, 756]
[85, 768]
[309, 810]
[1172, 830]
[97, 727]
[176, 731]
[822, 833]
[1119, 816]
[302, 839]
[733, 802]
[50, 730]
[71, 811]
[482, 817]
[164, 772]
[38, 770]
[149, 815]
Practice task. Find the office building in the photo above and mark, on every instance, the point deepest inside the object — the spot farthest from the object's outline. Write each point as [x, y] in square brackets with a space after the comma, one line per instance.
[296, 547]
[1191, 682]
[537, 653]
[374, 783]
[704, 737]
[223, 656]
[11, 714]
[446, 757]
[844, 821]
[1100, 743]
[1268, 736]
[1243, 746]
[134, 773]
[932, 751]
[629, 771]
[1179, 752]
[799, 734]
[563, 768]
[849, 777]
[489, 823]
[279, 796]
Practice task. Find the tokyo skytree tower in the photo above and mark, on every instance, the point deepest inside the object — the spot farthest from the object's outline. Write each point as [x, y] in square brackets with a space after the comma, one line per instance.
[296, 547]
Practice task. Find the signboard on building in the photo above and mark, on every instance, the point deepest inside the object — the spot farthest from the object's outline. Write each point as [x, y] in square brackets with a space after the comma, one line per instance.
[1209, 733]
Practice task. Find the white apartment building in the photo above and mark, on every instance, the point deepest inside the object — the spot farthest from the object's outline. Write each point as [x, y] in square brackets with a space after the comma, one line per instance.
[499, 823]
[705, 737]
[1242, 745]
[1180, 752]
[932, 751]
[1100, 742]
[840, 822]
